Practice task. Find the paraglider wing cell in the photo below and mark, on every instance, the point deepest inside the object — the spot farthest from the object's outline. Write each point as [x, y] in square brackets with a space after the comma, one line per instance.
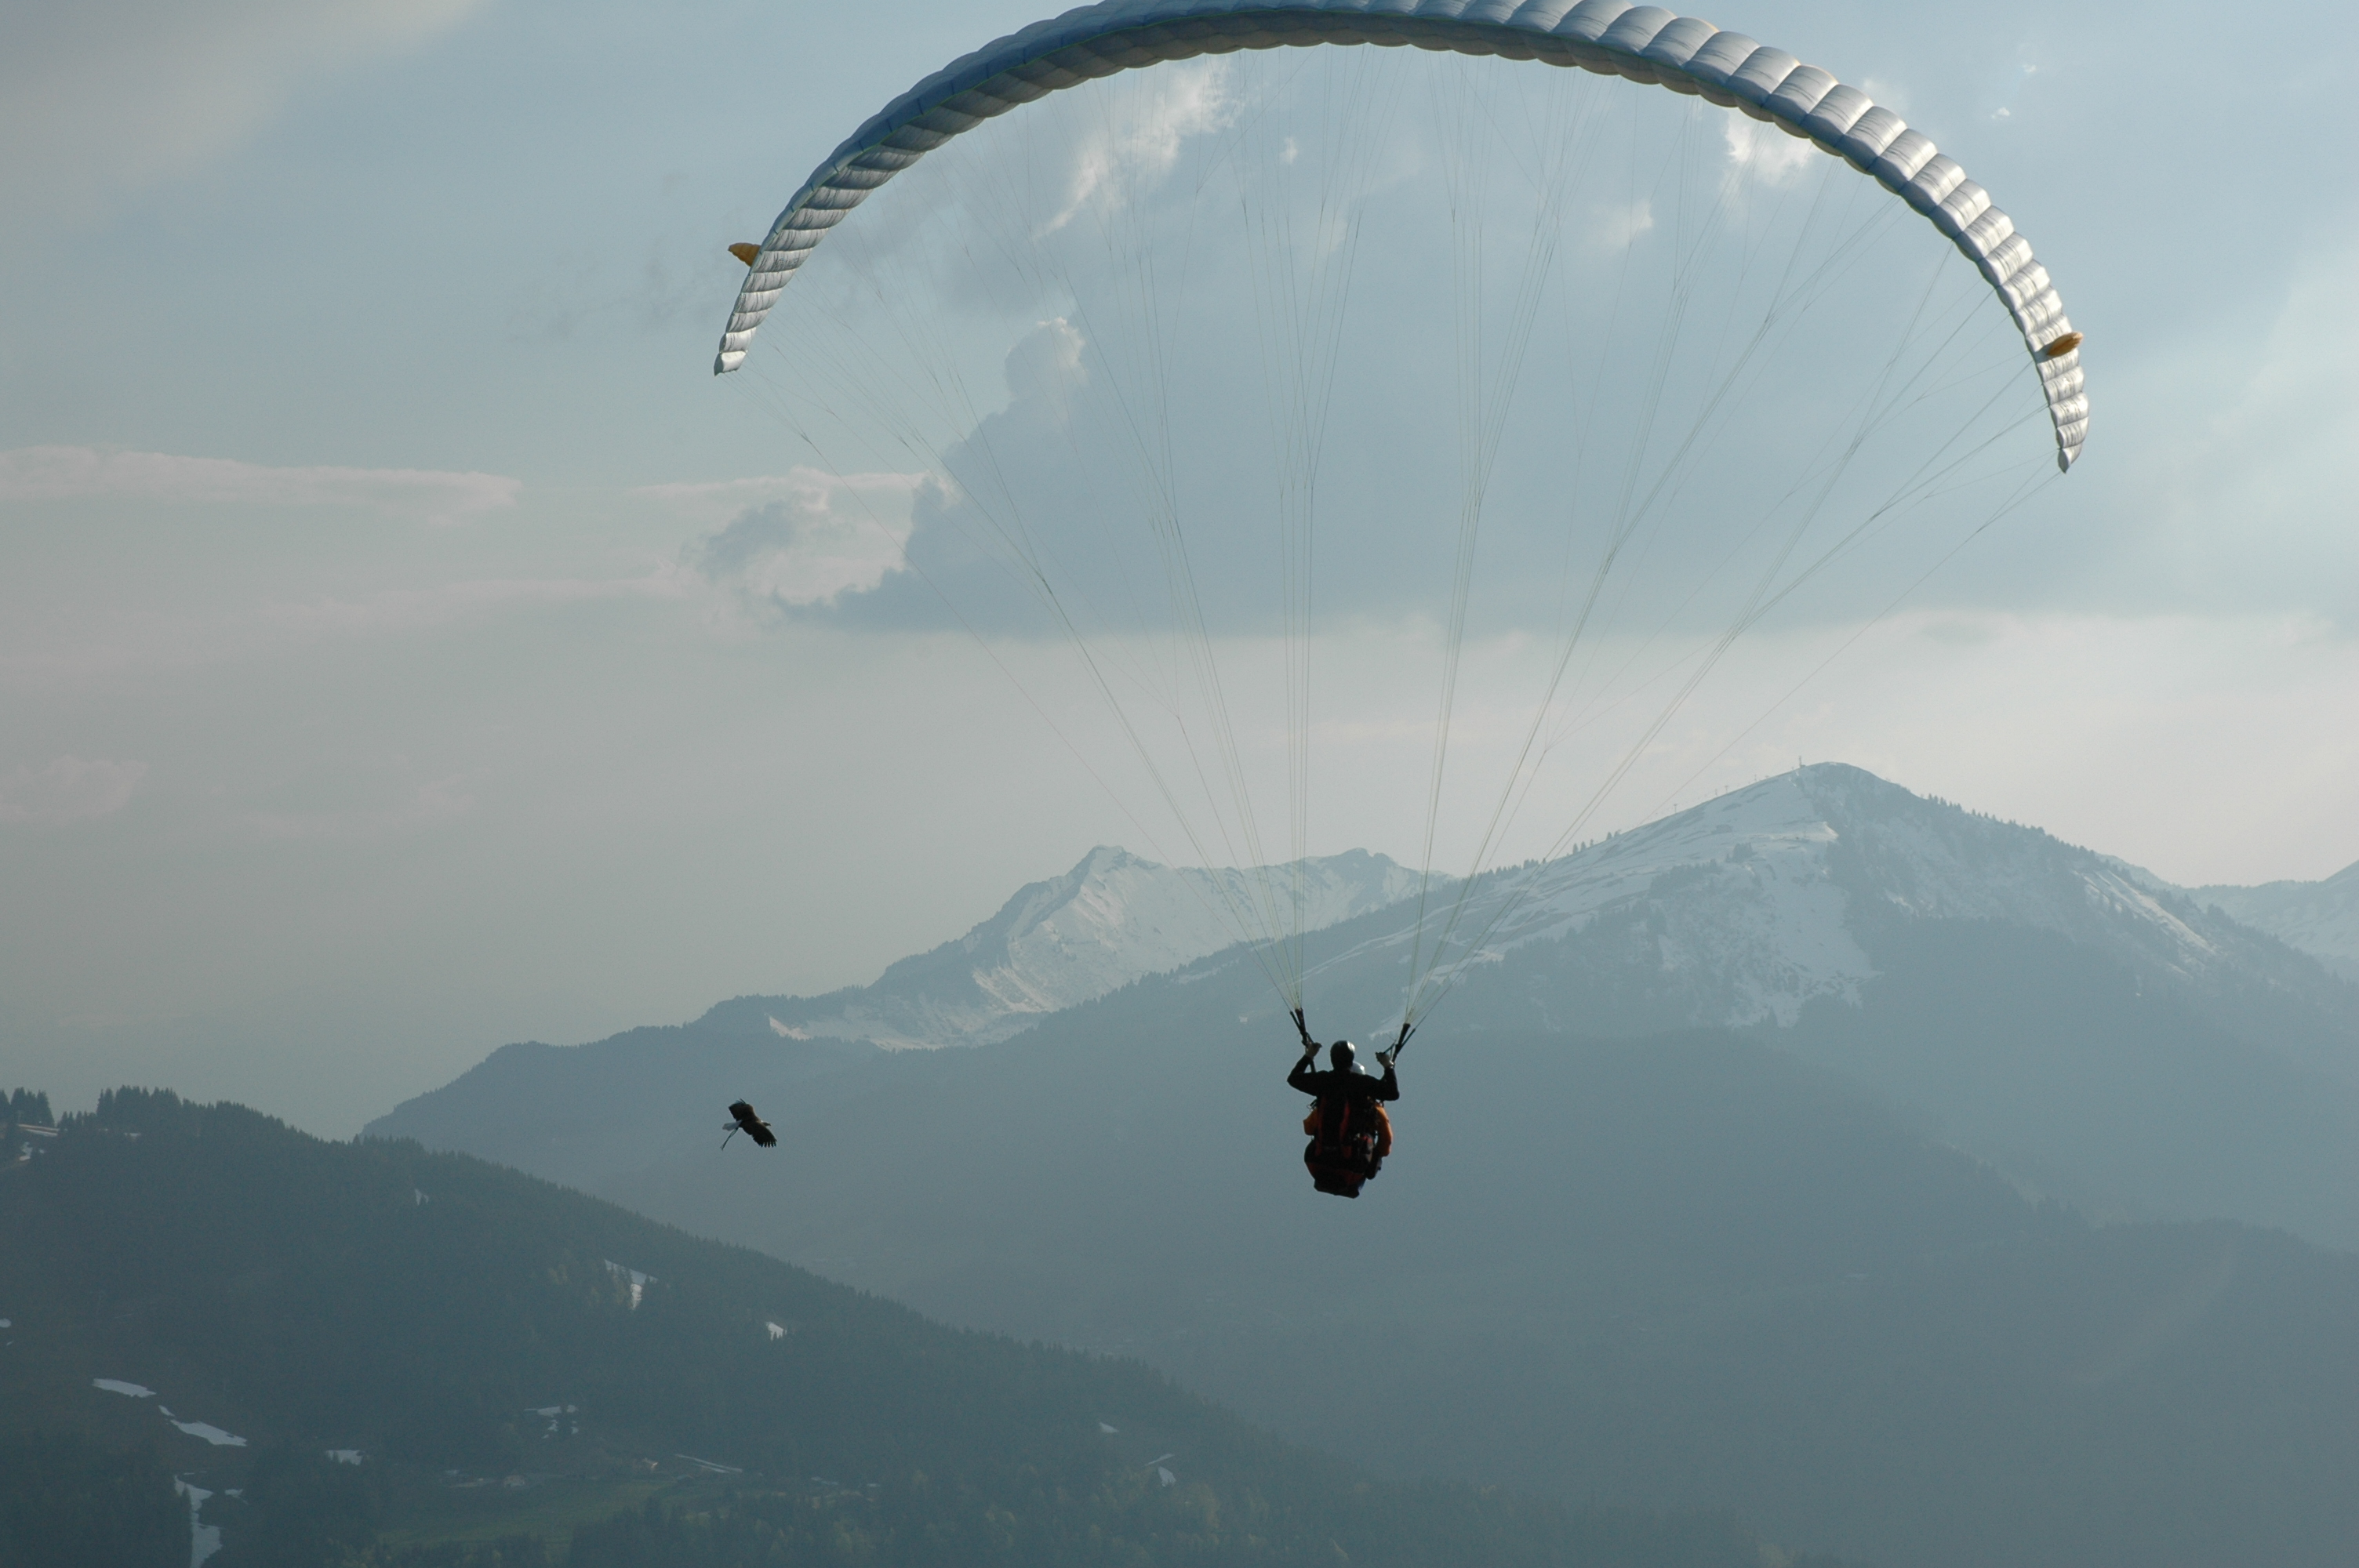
[1645, 44]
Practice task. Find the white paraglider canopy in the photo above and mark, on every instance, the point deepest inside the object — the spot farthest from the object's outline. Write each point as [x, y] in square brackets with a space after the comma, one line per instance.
[1644, 43]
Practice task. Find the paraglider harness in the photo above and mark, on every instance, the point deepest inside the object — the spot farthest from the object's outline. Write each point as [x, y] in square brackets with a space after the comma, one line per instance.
[1348, 1143]
[1349, 1137]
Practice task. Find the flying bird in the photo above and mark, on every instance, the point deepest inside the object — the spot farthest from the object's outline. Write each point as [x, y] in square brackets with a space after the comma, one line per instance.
[752, 1126]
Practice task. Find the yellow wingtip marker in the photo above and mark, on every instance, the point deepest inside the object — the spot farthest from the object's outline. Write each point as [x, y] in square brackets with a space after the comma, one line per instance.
[749, 252]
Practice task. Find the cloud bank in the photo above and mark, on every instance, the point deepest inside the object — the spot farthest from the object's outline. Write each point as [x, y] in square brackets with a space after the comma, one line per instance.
[85, 473]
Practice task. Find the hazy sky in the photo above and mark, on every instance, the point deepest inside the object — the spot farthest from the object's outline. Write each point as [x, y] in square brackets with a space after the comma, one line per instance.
[378, 679]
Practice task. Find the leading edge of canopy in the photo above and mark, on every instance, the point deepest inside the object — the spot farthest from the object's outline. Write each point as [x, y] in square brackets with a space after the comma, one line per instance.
[1642, 43]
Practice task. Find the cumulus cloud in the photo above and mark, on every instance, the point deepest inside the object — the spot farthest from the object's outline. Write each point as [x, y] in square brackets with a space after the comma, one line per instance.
[77, 473]
[68, 789]
[1614, 227]
[1141, 141]
[1765, 153]
[102, 98]
[801, 538]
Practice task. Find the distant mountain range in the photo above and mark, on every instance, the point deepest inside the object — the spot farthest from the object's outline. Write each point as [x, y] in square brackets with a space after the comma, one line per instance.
[2321, 919]
[1760, 897]
[2226, 1081]
[1758, 891]
[1725, 1179]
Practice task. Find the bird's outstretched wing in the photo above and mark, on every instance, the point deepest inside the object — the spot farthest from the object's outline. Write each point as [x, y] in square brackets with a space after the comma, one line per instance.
[753, 1126]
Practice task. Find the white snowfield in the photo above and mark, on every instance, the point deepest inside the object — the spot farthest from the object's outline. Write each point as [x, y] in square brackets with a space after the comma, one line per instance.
[1111, 919]
[2321, 919]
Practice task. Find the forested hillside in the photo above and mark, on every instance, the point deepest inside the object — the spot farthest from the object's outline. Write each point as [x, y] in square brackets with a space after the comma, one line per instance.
[369, 1353]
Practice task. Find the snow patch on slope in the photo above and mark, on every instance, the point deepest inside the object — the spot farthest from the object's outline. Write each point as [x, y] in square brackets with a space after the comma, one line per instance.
[637, 1281]
[204, 1539]
[210, 1432]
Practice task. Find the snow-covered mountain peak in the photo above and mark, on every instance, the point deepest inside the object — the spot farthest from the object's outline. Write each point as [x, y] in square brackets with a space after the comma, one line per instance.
[1112, 919]
[1936, 860]
[1737, 886]
[1755, 899]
